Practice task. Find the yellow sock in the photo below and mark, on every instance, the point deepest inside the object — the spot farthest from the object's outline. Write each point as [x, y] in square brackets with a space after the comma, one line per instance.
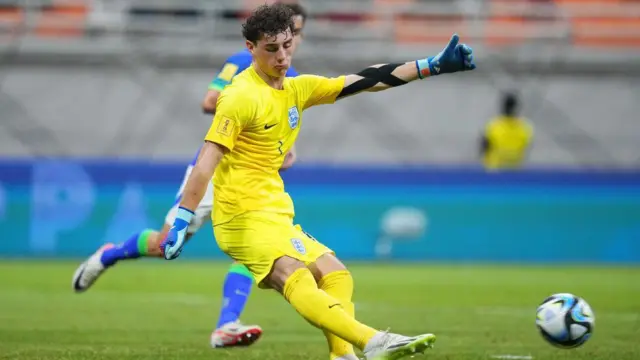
[322, 310]
[339, 285]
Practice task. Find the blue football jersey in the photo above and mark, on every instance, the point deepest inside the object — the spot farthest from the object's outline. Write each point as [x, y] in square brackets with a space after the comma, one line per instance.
[234, 65]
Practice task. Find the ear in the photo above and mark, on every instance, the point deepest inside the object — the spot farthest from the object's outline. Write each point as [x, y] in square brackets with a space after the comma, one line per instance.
[250, 46]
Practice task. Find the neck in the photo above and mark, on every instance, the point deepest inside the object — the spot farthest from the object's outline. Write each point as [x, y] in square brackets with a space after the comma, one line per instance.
[274, 82]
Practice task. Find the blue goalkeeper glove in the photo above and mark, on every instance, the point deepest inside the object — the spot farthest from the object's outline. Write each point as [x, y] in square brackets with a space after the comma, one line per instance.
[455, 57]
[173, 244]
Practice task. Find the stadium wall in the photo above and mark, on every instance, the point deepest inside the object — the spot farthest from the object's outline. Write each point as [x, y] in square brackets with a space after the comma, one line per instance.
[66, 208]
[150, 112]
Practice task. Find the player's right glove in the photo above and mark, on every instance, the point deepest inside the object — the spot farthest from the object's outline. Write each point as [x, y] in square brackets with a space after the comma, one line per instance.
[172, 245]
[453, 58]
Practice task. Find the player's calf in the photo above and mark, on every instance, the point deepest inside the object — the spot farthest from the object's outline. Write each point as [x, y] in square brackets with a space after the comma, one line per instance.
[144, 243]
[235, 293]
[298, 286]
[334, 279]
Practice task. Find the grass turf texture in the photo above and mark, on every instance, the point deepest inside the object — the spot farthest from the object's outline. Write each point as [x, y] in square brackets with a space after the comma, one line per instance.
[157, 310]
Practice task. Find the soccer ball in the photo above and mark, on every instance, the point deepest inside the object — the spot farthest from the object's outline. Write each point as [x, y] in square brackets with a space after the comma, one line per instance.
[565, 320]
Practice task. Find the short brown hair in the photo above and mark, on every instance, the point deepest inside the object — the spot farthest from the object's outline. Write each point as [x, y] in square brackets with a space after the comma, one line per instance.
[268, 20]
[298, 10]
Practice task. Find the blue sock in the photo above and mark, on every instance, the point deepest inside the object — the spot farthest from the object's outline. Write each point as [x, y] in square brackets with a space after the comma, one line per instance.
[136, 246]
[236, 290]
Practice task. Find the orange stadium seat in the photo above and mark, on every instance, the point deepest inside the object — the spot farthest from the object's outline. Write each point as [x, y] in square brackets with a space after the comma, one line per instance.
[501, 29]
[600, 27]
[10, 19]
[605, 30]
[62, 19]
[428, 28]
[422, 28]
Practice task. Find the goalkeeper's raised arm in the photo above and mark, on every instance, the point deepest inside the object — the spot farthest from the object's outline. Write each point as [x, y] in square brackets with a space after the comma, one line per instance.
[453, 58]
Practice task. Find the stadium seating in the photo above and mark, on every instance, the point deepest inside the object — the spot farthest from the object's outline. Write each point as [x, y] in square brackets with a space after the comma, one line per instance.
[586, 23]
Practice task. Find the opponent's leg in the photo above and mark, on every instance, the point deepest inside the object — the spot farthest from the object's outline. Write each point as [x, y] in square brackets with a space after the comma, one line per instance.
[143, 244]
[229, 331]
[236, 289]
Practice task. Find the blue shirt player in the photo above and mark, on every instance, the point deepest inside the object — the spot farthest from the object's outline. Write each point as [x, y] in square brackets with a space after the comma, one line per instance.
[238, 282]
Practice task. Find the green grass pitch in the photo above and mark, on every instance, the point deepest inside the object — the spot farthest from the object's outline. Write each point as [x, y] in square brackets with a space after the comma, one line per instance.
[160, 310]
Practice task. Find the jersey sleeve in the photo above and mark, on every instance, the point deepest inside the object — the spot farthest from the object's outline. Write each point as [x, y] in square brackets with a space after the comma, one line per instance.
[234, 65]
[233, 113]
[318, 90]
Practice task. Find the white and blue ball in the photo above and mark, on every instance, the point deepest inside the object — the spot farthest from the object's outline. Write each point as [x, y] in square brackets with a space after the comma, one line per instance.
[565, 320]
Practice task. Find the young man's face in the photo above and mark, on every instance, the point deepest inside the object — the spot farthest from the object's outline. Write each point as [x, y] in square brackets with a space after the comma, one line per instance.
[298, 26]
[273, 54]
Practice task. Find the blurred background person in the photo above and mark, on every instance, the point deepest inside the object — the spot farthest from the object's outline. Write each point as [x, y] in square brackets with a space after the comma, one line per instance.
[507, 138]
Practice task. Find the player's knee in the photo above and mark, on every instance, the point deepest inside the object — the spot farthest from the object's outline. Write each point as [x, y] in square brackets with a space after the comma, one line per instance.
[338, 283]
[326, 264]
[282, 269]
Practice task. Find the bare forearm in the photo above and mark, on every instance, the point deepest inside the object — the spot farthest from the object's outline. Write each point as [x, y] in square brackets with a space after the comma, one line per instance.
[379, 77]
[196, 187]
[209, 102]
[201, 174]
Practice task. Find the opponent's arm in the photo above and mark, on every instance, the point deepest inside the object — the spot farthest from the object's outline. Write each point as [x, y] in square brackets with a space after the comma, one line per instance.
[455, 57]
[289, 159]
[209, 101]
[232, 66]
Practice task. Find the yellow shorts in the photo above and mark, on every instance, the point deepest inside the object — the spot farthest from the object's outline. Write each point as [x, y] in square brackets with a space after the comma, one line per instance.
[258, 239]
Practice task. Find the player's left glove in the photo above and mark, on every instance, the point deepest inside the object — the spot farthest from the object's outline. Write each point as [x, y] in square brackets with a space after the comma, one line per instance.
[172, 245]
[453, 58]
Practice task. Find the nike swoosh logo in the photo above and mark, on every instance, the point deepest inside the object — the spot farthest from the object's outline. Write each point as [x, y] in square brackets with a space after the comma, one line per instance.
[76, 284]
[398, 345]
[330, 306]
[267, 126]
